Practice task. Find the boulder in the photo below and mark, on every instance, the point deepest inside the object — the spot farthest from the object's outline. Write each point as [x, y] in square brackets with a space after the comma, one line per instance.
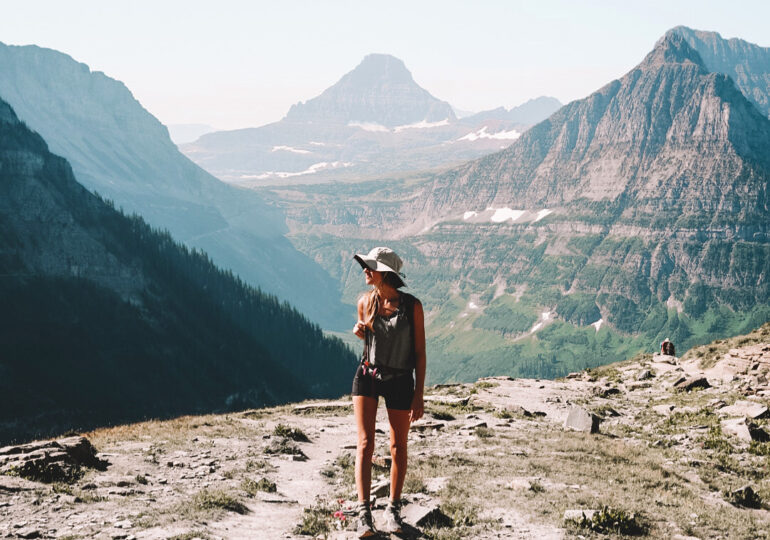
[644, 375]
[748, 409]
[580, 419]
[686, 384]
[579, 515]
[663, 410]
[50, 461]
[429, 515]
[744, 430]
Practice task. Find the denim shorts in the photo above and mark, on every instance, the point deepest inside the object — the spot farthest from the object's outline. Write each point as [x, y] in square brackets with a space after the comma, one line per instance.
[397, 391]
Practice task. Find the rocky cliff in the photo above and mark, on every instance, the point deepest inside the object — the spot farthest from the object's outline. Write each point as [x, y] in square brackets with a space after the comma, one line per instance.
[107, 320]
[747, 64]
[121, 151]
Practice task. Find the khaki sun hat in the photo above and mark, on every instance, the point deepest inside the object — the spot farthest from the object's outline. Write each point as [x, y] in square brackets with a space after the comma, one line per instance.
[382, 259]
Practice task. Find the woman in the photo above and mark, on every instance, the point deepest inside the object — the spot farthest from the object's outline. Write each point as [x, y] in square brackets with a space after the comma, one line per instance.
[391, 323]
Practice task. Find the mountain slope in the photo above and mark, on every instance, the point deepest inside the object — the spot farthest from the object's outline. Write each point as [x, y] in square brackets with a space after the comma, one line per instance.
[105, 320]
[119, 150]
[747, 64]
[374, 121]
[638, 213]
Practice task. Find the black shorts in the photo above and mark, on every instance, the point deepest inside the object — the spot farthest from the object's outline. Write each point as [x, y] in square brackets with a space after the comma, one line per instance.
[397, 391]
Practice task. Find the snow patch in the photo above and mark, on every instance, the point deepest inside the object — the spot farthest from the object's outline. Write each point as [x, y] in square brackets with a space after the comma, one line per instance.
[546, 315]
[369, 126]
[314, 168]
[598, 324]
[472, 305]
[290, 149]
[469, 214]
[542, 213]
[482, 134]
[504, 214]
[535, 328]
[422, 125]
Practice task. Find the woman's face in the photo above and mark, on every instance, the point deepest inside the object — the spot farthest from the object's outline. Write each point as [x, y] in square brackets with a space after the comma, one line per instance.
[373, 277]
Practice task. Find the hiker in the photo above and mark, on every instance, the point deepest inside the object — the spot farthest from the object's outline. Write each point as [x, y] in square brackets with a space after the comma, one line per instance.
[666, 347]
[391, 324]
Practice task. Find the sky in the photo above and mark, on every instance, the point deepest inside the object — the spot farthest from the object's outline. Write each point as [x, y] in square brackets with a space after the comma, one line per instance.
[233, 64]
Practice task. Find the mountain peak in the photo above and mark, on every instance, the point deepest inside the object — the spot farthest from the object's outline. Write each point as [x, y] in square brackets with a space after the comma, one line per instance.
[672, 48]
[379, 90]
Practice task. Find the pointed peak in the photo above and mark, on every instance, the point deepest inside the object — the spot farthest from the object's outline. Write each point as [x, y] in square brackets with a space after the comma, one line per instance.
[380, 67]
[672, 48]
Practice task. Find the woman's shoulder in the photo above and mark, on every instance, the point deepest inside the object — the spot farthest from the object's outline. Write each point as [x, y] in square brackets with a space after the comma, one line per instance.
[410, 299]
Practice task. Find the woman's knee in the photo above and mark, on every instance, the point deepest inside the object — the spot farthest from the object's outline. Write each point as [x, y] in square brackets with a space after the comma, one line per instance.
[365, 444]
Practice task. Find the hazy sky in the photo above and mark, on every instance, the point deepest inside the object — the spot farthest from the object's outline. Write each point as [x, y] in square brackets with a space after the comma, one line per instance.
[231, 63]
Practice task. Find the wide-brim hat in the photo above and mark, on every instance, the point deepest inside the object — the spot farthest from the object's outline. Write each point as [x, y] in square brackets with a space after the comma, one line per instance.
[382, 259]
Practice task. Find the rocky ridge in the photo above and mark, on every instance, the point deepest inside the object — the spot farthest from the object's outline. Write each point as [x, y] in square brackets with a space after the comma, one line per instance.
[497, 458]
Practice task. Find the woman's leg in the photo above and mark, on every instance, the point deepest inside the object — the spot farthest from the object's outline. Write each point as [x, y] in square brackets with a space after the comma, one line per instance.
[399, 432]
[365, 410]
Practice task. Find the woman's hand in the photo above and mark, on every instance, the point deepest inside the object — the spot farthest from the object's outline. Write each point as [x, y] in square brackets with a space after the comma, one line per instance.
[418, 407]
[359, 328]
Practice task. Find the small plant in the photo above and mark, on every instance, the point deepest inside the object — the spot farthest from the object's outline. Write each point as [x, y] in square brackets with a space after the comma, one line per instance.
[536, 487]
[611, 520]
[258, 465]
[283, 445]
[759, 448]
[288, 432]
[744, 496]
[207, 500]
[140, 479]
[252, 487]
[715, 440]
[317, 519]
[482, 385]
[442, 415]
[484, 432]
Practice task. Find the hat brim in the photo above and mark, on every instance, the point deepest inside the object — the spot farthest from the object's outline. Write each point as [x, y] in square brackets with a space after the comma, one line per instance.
[373, 264]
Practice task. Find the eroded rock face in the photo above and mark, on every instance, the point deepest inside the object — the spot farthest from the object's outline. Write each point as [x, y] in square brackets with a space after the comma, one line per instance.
[50, 461]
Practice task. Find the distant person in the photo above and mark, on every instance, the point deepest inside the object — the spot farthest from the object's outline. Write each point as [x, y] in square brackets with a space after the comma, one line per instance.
[391, 323]
[666, 347]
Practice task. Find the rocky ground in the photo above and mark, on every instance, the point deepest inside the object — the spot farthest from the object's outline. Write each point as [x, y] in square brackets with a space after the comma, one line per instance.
[656, 446]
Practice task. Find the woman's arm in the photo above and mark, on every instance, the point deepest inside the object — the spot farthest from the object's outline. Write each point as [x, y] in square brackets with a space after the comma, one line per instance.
[359, 328]
[419, 369]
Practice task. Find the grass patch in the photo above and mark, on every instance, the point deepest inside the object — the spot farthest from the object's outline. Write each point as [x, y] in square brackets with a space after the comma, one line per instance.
[288, 432]
[252, 487]
[318, 519]
[218, 499]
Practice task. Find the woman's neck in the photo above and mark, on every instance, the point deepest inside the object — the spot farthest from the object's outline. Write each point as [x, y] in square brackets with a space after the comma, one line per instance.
[386, 292]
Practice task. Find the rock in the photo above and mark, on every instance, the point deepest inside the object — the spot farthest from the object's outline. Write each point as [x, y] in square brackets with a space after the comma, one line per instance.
[50, 461]
[125, 524]
[447, 400]
[687, 384]
[517, 409]
[381, 488]
[663, 410]
[425, 516]
[574, 375]
[434, 485]
[745, 496]
[580, 419]
[340, 404]
[665, 359]
[426, 425]
[28, 533]
[605, 392]
[749, 409]
[744, 430]
[644, 375]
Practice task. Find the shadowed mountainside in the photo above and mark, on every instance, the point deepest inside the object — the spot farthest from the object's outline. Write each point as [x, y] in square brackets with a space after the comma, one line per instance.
[106, 320]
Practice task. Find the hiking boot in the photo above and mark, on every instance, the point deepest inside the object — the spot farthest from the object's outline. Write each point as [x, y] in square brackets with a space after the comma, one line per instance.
[392, 518]
[364, 527]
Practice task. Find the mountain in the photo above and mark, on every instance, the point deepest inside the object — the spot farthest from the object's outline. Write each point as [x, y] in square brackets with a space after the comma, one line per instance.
[107, 320]
[638, 213]
[374, 121]
[747, 64]
[379, 90]
[121, 151]
[185, 133]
